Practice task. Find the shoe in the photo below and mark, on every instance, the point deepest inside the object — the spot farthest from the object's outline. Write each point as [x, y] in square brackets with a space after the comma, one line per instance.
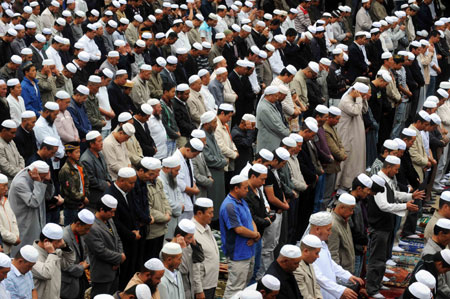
[403, 243]
[413, 237]
[389, 271]
[385, 279]
[378, 296]
[384, 288]
[391, 263]
[398, 249]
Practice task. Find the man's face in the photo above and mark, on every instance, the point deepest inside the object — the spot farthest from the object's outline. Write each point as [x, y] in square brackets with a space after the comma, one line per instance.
[83, 229]
[188, 239]
[128, 184]
[3, 189]
[175, 171]
[197, 85]
[63, 103]
[392, 170]
[292, 264]
[3, 90]
[310, 255]
[346, 211]
[153, 174]
[155, 279]
[8, 134]
[259, 181]
[207, 216]
[4, 273]
[176, 261]
[171, 67]
[323, 232]
[242, 190]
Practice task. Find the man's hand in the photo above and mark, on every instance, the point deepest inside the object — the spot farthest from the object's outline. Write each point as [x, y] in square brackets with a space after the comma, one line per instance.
[152, 220]
[86, 201]
[48, 246]
[123, 258]
[410, 206]
[17, 241]
[418, 194]
[356, 280]
[168, 217]
[349, 294]
[250, 242]
[137, 235]
[200, 296]
[84, 264]
[180, 240]
[35, 175]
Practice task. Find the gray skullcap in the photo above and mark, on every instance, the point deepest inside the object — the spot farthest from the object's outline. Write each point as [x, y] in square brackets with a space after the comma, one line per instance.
[198, 133]
[9, 123]
[271, 282]
[237, 179]
[425, 277]
[29, 253]
[259, 168]
[420, 291]
[171, 162]
[266, 154]
[393, 160]
[172, 248]
[154, 264]
[320, 219]
[86, 216]
[290, 251]
[128, 129]
[83, 90]
[347, 199]
[207, 117]
[283, 153]
[401, 144]
[365, 180]
[151, 163]
[390, 144]
[126, 172]
[187, 226]
[312, 241]
[109, 201]
[27, 114]
[147, 109]
[378, 180]
[204, 202]
[53, 231]
[91, 135]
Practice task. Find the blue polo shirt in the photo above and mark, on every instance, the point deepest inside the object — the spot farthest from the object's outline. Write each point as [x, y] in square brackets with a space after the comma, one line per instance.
[235, 213]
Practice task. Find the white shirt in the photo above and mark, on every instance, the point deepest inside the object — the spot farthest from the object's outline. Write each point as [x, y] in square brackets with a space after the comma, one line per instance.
[185, 39]
[221, 25]
[326, 272]
[208, 98]
[254, 81]
[276, 63]
[91, 47]
[288, 23]
[103, 102]
[394, 208]
[16, 107]
[184, 180]
[434, 62]
[42, 129]
[54, 55]
[159, 135]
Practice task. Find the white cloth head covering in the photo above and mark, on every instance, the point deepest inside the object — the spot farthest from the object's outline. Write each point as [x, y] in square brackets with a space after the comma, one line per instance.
[365, 180]
[53, 231]
[320, 219]
[426, 278]
[250, 294]
[128, 129]
[154, 264]
[143, 291]
[420, 291]
[151, 163]
[5, 261]
[290, 251]
[171, 248]
[271, 282]
[171, 162]
[187, 226]
[347, 199]
[86, 216]
[29, 253]
[109, 201]
[41, 166]
[204, 202]
[207, 117]
[312, 241]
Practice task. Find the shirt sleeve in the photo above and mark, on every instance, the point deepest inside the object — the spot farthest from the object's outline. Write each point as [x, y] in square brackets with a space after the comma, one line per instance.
[232, 220]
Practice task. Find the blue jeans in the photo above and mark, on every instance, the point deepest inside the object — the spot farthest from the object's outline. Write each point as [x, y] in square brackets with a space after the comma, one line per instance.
[431, 87]
[171, 147]
[399, 119]
[358, 264]
[69, 216]
[318, 196]
[258, 249]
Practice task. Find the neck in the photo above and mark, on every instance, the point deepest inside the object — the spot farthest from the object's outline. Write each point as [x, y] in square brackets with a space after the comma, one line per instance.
[94, 152]
[168, 267]
[199, 221]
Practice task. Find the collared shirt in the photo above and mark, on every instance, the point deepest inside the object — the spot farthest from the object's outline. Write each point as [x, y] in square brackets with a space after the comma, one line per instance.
[402, 197]
[235, 213]
[124, 194]
[19, 285]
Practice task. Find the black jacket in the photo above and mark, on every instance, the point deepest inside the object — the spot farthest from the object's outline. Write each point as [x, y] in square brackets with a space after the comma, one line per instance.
[335, 81]
[258, 210]
[25, 142]
[288, 283]
[117, 100]
[228, 54]
[183, 117]
[144, 138]
[246, 98]
[243, 141]
[356, 64]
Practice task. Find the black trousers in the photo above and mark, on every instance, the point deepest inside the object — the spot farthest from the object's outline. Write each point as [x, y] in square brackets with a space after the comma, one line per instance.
[153, 247]
[379, 244]
[105, 287]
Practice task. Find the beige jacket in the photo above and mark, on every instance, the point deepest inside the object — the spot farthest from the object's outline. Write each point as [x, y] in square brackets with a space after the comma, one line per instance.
[159, 206]
[391, 90]
[418, 155]
[140, 93]
[425, 61]
[298, 85]
[307, 282]
[132, 34]
[196, 106]
[226, 144]
[340, 243]
[11, 162]
[296, 174]
[134, 150]
[9, 230]
[430, 225]
[116, 155]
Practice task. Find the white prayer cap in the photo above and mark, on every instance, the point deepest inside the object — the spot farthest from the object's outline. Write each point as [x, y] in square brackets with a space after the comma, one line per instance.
[143, 291]
[152, 102]
[320, 219]
[171, 162]
[361, 87]
[425, 277]
[171, 248]
[27, 114]
[154, 264]
[390, 144]
[84, 56]
[219, 35]
[378, 180]
[51, 141]
[9, 124]
[424, 42]
[385, 75]
[161, 61]
[376, 24]
[311, 124]
[393, 160]
[193, 79]
[172, 60]
[271, 282]
[314, 66]
[34, 3]
[409, 132]
[400, 14]
[296, 137]
[445, 195]
[267, 16]
[26, 51]
[439, 23]
[128, 129]
[334, 110]
[61, 22]
[182, 87]
[119, 43]
[312, 241]
[3, 179]
[187, 226]
[320, 28]
[147, 108]
[72, 68]
[51, 106]
[283, 153]
[86, 216]
[401, 144]
[204, 202]
[420, 291]
[291, 69]
[237, 179]
[126, 172]
[249, 117]
[140, 43]
[82, 14]
[236, 27]
[124, 21]
[53, 231]
[386, 55]
[92, 135]
[221, 70]
[270, 47]
[336, 51]
[259, 168]
[16, 59]
[442, 93]
[342, 46]
[29, 253]
[197, 144]
[5, 261]
[325, 61]
[445, 85]
[279, 38]
[271, 90]
[435, 119]
[250, 294]
[13, 82]
[103, 296]
[290, 251]
[415, 43]
[54, 3]
[40, 38]
[429, 104]
[261, 23]
[198, 134]
[138, 18]
[347, 199]
[151, 163]
[207, 117]
[322, 109]
[124, 116]
[444, 222]
[288, 141]
[248, 4]
[446, 255]
[266, 154]
[365, 180]
[146, 35]
[181, 51]
[204, 72]
[212, 16]
[360, 33]
[109, 201]
[83, 89]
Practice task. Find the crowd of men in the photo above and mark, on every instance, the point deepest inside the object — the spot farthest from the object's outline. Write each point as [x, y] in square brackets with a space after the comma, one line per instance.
[307, 137]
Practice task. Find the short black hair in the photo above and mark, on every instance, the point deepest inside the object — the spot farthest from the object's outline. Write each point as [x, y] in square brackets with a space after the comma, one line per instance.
[258, 156]
[27, 67]
[285, 72]
[442, 203]
[291, 32]
[179, 231]
[199, 208]
[438, 229]
[437, 257]
[261, 287]
[42, 237]
[252, 172]
[226, 112]
[168, 86]
[189, 146]
[102, 206]
[434, 33]
[357, 183]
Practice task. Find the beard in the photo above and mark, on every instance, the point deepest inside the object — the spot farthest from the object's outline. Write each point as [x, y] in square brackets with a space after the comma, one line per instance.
[172, 181]
[151, 286]
[157, 116]
[49, 120]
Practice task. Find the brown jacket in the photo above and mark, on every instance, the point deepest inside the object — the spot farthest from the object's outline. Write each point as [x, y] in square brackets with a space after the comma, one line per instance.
[336, 149]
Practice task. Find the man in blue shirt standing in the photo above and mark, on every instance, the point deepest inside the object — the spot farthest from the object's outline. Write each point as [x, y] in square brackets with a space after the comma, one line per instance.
[239, 234]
